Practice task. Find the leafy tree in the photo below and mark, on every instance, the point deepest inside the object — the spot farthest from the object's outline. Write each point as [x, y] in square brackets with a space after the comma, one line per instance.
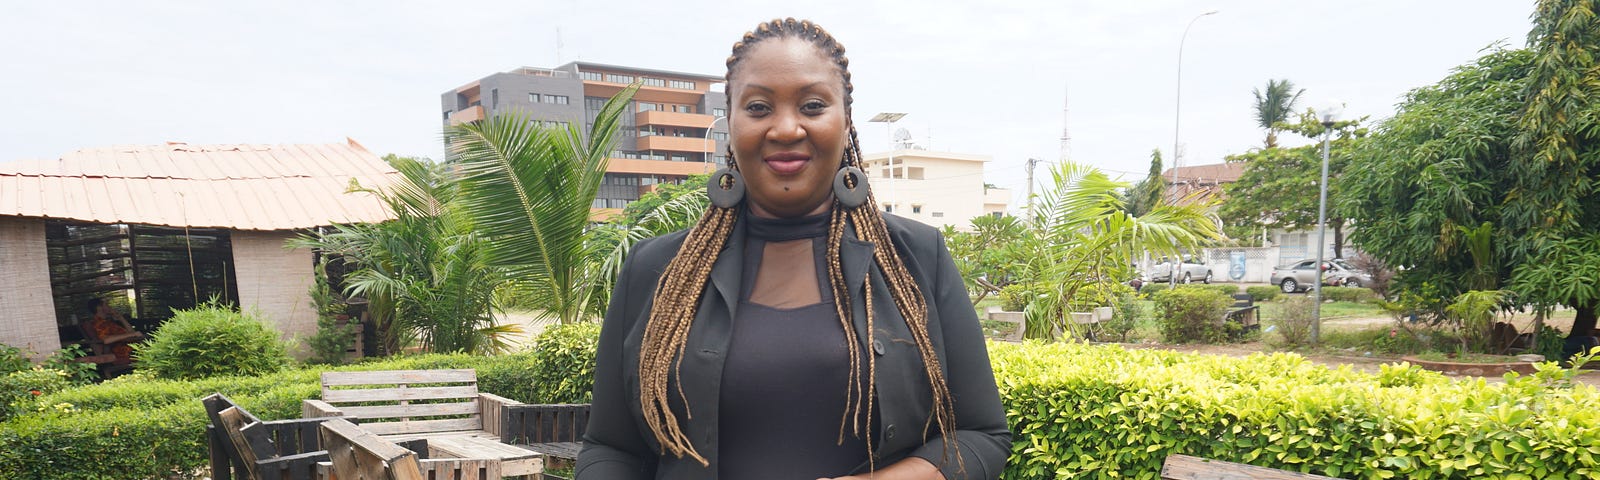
[670, 208]
[1146, 194]
[994, 254]
[1510, 141]
[527, 190]
[1278, 186]
[1274, 107]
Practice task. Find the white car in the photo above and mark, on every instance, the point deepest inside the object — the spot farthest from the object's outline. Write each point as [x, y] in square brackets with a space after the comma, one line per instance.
[1191, 270]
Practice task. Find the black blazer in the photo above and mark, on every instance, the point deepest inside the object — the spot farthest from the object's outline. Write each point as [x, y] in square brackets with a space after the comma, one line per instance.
[619, 445]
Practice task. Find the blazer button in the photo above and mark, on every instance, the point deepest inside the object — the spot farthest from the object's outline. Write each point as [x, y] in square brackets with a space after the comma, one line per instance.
[877, 346]
[889, 431]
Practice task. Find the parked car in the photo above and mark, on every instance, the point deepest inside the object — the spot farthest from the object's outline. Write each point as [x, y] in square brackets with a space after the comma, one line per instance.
[1191, 270]
[1300, 275]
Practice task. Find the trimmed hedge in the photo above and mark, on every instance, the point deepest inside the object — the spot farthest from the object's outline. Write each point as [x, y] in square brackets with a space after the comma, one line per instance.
[1349, 294]
[1103, 411]
[137, 427]
[1261, 293]
[1187, 315]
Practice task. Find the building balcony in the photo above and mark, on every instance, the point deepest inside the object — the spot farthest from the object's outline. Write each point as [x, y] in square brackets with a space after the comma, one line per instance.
[673, 119]
[467, 115]
[664, 143]
[658, 167]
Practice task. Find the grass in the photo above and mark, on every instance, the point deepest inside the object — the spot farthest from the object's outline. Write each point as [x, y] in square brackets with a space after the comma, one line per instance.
[1465, 357]
[1332, 310]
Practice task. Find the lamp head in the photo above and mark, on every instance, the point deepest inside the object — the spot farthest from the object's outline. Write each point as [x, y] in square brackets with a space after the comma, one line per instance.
[1330, 113]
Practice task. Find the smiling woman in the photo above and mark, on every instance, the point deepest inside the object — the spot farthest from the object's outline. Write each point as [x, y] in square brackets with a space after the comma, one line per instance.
[794, 332]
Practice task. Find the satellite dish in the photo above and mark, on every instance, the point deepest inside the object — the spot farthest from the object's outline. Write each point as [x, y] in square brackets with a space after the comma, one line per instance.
[902, 135]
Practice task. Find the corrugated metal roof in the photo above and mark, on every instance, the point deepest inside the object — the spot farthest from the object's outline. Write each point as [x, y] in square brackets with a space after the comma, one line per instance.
[243, 187]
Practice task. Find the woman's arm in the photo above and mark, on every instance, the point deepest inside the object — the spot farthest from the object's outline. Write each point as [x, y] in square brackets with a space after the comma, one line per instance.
[983, 439]
[612, 447]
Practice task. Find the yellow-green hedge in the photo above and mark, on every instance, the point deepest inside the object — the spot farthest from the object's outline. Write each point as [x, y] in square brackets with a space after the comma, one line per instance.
[1081, 411]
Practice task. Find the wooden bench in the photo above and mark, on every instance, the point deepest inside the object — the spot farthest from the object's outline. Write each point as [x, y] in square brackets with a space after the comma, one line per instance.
[244, 447]
[356, 454]
[1185, 467]
[1245, 311]
[555, 430]
[443, 407]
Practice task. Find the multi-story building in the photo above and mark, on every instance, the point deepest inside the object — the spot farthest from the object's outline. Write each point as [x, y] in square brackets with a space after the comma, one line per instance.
[673, 128]
[936, 188]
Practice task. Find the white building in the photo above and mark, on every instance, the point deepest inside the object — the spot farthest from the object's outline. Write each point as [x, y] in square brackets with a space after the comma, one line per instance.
[936, 188]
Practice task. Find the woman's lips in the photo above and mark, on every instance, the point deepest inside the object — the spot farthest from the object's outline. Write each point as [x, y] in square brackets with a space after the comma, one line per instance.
[787, 163]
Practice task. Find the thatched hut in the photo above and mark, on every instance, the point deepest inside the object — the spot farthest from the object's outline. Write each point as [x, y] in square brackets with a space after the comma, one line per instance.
[167, 226]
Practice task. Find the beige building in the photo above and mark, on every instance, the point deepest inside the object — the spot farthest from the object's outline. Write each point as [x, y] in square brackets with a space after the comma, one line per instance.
[936, 188]
[155, 227]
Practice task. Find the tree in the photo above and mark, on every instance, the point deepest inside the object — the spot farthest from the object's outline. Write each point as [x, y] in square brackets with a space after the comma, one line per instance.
[994, 254]
[670, 208]
[1146, 194]
[1278, 186]
[1274, 107]
[1506, 149]
[527, 189]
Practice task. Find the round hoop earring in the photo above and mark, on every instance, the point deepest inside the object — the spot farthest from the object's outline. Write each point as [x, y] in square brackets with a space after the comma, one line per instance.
[850, 197]
[725, 188]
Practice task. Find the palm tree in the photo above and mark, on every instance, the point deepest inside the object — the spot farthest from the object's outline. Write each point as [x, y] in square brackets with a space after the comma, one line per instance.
[1274, 106]
[527, 190]
[1088, 240]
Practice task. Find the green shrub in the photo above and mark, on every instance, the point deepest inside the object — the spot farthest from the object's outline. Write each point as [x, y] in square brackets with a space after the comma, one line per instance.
[12, 359]
[565, 362]
[1151, 288]
[20, 390]
[1294, 319]
[212, 340]
[1129, 309]
[1262, 293]
[1096, 411]
[1192, 315]
[1016, 297]
[1224, 289]
[1349, 294]
[66, 360]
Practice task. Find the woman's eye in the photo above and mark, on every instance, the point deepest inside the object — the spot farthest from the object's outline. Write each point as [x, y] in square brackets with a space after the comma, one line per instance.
[757, 109]
[813, 107]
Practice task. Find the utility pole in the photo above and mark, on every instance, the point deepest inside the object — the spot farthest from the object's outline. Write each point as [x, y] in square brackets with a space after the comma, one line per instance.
[1031, 163]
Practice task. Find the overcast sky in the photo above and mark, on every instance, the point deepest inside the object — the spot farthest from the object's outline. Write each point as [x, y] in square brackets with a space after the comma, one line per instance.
[983, 78]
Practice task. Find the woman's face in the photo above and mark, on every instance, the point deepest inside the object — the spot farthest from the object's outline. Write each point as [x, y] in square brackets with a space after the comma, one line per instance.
[789, 127]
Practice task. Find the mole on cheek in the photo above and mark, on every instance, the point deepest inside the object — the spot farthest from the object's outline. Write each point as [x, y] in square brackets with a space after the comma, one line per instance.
[785, 189]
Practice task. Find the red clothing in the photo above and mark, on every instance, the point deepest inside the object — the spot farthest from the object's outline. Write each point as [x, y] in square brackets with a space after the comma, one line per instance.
[104, 327]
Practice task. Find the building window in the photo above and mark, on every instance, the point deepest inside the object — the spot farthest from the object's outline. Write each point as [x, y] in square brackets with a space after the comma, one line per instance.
[938, 214]
[615, 78]
[916, 209]
[888, 208]
[719, 136]
[720, 112]
[649, 107]
[533, 98]
[683, 85]
[683, 108]
[447, 114]
[997, 214]
[494, 97]
[680, 158]
[654, 82]
[556, 99]
[593, 76]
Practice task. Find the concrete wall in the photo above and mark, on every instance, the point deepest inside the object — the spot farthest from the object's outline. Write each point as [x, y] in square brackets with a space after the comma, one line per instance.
[27, 310]
[935, 188]
[275, 282]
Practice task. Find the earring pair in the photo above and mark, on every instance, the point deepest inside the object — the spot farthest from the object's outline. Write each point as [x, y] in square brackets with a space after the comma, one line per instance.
[725, 188]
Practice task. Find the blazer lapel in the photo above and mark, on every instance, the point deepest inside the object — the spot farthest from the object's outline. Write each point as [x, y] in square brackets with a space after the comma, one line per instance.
[706, 348]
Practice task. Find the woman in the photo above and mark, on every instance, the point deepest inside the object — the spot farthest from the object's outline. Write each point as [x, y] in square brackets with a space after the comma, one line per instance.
[795, 332]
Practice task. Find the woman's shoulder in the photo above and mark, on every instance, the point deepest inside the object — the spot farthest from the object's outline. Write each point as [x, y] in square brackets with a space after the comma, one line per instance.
[912, 235]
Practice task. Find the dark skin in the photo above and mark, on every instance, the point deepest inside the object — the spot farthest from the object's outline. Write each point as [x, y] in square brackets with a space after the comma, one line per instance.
[789, 131]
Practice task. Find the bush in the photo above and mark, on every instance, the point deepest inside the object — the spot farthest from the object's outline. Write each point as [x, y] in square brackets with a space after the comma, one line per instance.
[564, 371]
[1192, 315]
[1099, 411]
[1294, 320]
[12, 359]
[212, 340]
[1348, 294]
[1016, 297]
[1152, 288]
[139, 427]
[1129, 309]
[1262, 293]
[1224, 289]
[20, 391]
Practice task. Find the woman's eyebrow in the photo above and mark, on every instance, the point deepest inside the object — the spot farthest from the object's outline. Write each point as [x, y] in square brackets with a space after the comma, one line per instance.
[767, 89]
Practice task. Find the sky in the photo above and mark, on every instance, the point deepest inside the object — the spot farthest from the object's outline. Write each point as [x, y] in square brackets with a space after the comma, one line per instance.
[987, 78]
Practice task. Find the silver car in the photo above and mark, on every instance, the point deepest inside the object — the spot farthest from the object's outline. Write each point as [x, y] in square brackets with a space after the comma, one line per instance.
[1300, 275]
[1192, 270]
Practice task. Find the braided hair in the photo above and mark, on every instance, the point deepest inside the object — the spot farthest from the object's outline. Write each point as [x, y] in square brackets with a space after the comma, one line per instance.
[681, 285]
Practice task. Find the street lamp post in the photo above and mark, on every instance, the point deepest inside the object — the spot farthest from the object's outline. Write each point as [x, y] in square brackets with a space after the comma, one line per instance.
[1177, 121]
[888, 119]
[1328, 116]
[711, 152]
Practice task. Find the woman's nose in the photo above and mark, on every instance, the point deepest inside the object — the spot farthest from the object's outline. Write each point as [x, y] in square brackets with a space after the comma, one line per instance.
[786, 128]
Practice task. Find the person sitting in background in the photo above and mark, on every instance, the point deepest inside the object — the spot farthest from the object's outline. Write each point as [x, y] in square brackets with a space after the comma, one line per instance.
[113, 330]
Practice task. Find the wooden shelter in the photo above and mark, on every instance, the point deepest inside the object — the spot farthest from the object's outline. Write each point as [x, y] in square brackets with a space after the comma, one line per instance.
[168, 226]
